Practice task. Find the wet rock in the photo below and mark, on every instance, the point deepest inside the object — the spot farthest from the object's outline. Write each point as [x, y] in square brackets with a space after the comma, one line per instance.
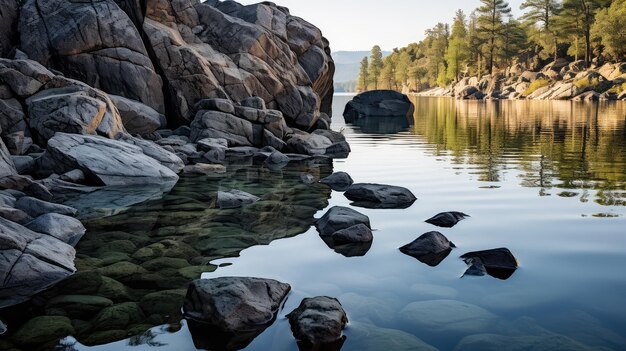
[234, 304]
[430, 248]
[338, 218]
[65, 228]
[118, 317]
[368, 337]
[44, 330]
[338, 181]
[204, 169]
[92, 155]
[35, 207]
[498, 263]
[137, 117]
[359, 233]
[234, 199]
[354, 249]
[446, 317]
[377, 195]
[308, 144]
[379, 103]
[447, 219]
[318, 320]
[277, 158]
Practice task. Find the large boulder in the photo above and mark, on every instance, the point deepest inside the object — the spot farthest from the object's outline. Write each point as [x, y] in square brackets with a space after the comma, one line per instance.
[24, 77]
[234, 304]
[318, 320]
[104, 161]
[7, 167]
[95, 42]
[137, 117]
[379, 103]
[378, 195]
[216, 124]
[430, 248]
[338, 218]
[9, 10]
[225, 50]
[30, 262]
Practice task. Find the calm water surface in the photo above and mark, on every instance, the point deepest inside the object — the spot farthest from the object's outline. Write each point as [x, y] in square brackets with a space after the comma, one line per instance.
[544, 179]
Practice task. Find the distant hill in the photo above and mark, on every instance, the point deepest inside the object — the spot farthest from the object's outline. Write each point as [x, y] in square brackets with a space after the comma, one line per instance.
[348, 63]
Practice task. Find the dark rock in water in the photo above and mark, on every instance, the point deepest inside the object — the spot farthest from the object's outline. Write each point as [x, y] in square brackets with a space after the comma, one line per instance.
[380, 196]
[207, 337]
[379, 103]
[430, 248]
[234, 199]
[65, 228]
[447, 219]
[387, 125]
[354, 249]
[3, 327]
[338, 218]
[234, 304]
[338, 181]
[498, 263]
[318, 320]
[359, 233]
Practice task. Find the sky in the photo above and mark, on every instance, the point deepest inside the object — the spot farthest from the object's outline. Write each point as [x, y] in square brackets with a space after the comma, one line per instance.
[360, 24]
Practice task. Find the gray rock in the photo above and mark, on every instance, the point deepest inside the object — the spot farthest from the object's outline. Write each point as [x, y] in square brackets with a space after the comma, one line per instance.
[14, 215]
[137, 117]
[375, 195]
[338, 218]
[105, 51]
[11, 113]
[215, 124]
[277, 158]
[359, 233]
[254, 102]
[234, 304]
[35, 207]
[221, 105]
[307, 178]
[308, 144]
[160, 154]
[378, 103]
[31, 262]
[8, 26]
[26, 186]
[23, 164]
[67, 229]
[498, 263]
[430, 248]
[24, 77]
[212, 143]
[339, 181]
[447, 219]
[93, 155]
[318, 320]
[234, 199]
[73, 176]
[7, 167]
[204, 169]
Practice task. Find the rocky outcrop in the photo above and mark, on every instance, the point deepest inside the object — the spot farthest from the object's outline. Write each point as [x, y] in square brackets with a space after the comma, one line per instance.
[318, 320]
[8, 25]
[447, 219]
[7, 167]
[380, 196]
[430, 248]
[379, 103]
[137, 117]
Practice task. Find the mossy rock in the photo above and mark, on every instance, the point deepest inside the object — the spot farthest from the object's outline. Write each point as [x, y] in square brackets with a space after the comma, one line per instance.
[84, 264]
[161, 263]
[139, 329]
[194, 272]
[109, 258]
[44, 330]
[81, 327]
[81, 283]
[163, 303]
[118, 316]
[79, 306]
[165, 248]
[122, 271]
[114, 290]
[123, 246]
[104, 337]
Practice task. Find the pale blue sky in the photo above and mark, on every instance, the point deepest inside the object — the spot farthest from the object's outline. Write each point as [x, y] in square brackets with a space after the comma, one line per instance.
[360, 24]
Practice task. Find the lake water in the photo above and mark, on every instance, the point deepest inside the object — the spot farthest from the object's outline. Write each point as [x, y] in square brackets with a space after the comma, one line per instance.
[546, 180]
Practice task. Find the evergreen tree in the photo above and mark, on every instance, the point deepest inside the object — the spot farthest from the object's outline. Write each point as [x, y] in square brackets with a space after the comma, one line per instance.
[402, 68]
[583, 13]
[539, 18]
[491, 26]
[458, 47]
[609, 28]
[376, 65]
[514, 41]
[437, 45]
[363, 81]
[476, 44]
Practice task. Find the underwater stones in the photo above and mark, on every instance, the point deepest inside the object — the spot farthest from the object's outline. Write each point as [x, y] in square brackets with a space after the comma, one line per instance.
[79, 306]
[379, 103]
[380, 196]
[495, 342]
[234, 303]
[118, 317]
[43, 330]
[430, 248]
[234, 199]
[447, 219]
[338, 218]
[446, 316]
[64, 228]
[35, 207]
[368, 337]
[338, 181]
[318, 320]
[498, 263]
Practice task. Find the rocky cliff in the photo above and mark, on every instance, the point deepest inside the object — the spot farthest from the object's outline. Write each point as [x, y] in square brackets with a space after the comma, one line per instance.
[559, 80]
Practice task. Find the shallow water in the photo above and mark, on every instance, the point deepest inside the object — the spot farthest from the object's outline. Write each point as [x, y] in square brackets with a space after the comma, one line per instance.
[544, 179]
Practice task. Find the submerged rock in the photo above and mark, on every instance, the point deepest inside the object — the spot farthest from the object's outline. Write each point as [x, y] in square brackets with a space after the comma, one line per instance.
[446, 317]
[44, 330]
[379, 103]
[234, 304]
[498, 263]
[338, 181]
[378, 195]
[447, 219]
[65, 228]
[338, 218]
[235, 199]
[430, 248]
[318, 320]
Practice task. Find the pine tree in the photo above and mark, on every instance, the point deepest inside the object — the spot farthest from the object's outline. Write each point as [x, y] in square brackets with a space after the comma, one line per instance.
[491, 26]
[539, 18]
[376, 65]
[514, 41]
[363, 81]
[458, 47]
[610, 30]
[583, 13]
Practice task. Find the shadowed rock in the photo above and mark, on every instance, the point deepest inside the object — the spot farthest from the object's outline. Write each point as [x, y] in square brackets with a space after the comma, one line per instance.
[318, 320]
[359, 233]
[379, 103]
[498, 263]
[64, 228]
[430, 248]
[380, 196]
[338, 218]
[338, 181]
[447, 219]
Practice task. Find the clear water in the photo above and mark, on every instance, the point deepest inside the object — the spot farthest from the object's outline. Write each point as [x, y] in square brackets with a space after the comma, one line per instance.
[544, 179]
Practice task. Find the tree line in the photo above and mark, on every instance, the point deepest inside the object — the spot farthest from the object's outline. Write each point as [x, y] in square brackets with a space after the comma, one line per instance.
[491, 39]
